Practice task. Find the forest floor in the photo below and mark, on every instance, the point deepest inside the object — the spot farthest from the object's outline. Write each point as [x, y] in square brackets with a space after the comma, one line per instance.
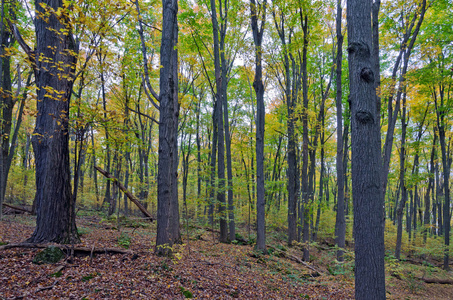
[202, 268]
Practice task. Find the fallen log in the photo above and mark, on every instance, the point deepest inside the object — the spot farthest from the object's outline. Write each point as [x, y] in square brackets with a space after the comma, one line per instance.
[128, 194]
[80, 250]
[238, 239]
[436, 280]
[296, 259]
[17, 208]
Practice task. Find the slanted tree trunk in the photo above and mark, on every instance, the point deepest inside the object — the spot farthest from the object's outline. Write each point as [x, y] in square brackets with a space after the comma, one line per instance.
[107, 159]
[402, 202]
[258, 30]
[212, 164]
[406, 47]
[55, 209]
[366, 160]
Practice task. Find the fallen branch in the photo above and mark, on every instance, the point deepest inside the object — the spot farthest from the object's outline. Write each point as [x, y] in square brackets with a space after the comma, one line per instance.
[296, 259]
[241, 240]
[79, 250]
[46, 287]
[436, 280]
[17, 208]
[128, 194]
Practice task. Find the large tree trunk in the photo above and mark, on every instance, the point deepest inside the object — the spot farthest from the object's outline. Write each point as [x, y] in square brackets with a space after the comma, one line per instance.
[366, 162]
[55, 209]
[174, 207]
[258, 30]
[168, 122]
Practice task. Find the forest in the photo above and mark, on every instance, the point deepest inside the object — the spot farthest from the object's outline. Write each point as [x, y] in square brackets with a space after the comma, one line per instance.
[168, 148]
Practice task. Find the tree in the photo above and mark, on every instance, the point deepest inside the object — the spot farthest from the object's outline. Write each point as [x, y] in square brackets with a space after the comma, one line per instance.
[258, 10]
[167, 198]
[54, 64]
[290, 86]
[340, 224]
[366, 162]
[167, 174]
[219, 99]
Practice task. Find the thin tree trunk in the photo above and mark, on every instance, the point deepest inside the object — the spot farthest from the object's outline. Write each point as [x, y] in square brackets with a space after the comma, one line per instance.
[340, 222]
[406, 47]
[402, 203]
[426, 218]
[441, 125]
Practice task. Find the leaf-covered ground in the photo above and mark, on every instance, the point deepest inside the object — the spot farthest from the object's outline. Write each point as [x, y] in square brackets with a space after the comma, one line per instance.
[201, 268]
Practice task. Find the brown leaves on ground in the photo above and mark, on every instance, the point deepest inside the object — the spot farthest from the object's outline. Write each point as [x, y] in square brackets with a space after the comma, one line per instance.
[202, 268]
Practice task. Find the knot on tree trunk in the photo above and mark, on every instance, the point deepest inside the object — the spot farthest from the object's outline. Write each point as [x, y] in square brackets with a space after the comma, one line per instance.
[364, 117]
[360, 49]
[367, 75]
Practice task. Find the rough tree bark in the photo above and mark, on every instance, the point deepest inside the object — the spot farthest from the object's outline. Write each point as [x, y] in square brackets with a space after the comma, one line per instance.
[440, 102]
[258, 10]
[305, 211]
[220, 132]
[54, 75]
[168, 122]
[226, 67]
[366, 159]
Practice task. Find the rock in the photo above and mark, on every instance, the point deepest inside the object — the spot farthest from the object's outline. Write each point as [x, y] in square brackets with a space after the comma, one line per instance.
[50, 255]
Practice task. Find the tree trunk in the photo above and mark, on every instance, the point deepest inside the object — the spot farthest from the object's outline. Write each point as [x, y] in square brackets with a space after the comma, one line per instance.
[220, 131]
[340, 222]
[406, 47]
[426, 217]
[291, 100]
[55, 209]
[174, 206]
[126, 192]
[168, 118]
[305, 154]
[225, 68]
[402, 202]
[439, 101]
[258, 30]
[366, 162]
